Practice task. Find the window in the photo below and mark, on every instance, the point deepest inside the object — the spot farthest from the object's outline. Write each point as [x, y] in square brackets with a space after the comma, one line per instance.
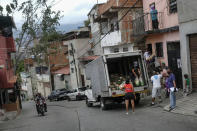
[172, 6]
[116, 26]
[72, 70]
[149, 48]
[41, 70]
[116, 50]
[125, 49]
[112, 27]
[159, 49]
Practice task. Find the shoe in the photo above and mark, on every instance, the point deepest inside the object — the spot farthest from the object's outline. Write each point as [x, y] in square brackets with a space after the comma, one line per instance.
[170, 109]
[152, 104]
[127, 113]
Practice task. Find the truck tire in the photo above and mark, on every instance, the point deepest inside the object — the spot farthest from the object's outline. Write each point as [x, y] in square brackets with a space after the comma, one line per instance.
[137, 100]
[103, 104]
[88, 103]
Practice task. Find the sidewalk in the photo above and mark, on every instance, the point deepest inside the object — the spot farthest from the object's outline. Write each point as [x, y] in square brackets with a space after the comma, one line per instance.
[186, 105]
[5, 116]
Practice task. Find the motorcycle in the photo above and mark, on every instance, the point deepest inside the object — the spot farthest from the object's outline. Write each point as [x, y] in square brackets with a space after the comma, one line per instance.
[40, 106]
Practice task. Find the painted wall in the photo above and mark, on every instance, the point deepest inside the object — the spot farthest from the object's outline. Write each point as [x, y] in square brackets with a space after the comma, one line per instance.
[164, 38]
[168, 19]
[185, 30]
[187, 10]
[80, 46]
[188, 23]
[7, 46]
[59, 84]
[111, 39]
[110, 49]
[26, 85]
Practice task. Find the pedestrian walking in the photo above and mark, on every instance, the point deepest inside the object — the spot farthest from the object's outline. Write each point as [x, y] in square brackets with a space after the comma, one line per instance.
[164, 80]
[129, 96]
[167, 88]
[187, 89]
[156, 90]
[172, 86]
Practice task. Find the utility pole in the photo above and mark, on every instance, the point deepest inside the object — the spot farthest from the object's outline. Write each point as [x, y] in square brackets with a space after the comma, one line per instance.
[74, 64]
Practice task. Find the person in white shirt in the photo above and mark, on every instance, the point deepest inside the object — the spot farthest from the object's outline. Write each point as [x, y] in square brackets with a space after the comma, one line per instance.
[156, 91]
[146, 55]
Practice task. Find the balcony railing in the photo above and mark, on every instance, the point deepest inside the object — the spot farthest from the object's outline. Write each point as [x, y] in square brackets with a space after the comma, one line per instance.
[117, 3]
[144, 24]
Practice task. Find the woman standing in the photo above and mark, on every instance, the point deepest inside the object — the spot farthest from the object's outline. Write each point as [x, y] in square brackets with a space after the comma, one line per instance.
[129, 95]
[172, 87]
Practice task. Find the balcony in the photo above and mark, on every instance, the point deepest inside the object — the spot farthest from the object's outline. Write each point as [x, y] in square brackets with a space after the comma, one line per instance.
[143, 25]
[112, 7]
[111, 39]
[117, 4]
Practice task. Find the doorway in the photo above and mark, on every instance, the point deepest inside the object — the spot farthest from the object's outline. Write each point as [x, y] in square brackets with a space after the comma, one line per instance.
[174, 61]
[193, 58]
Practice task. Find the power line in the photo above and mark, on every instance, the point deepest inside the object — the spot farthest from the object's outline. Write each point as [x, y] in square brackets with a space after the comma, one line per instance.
[97, 34]
[130, 8]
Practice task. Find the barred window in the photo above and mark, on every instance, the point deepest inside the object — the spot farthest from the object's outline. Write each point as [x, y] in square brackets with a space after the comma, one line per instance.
[159, 49]
[172, 6]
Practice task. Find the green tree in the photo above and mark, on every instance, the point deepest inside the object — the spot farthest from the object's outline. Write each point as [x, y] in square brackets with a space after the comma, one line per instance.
[39, 23]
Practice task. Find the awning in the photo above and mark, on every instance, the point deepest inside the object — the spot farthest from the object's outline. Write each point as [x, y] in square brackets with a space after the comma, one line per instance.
[65, 70]
[88, 58]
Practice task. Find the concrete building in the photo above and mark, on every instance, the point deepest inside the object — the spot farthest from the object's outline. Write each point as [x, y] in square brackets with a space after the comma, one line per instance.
[78, 42]
[62, 78]
[95, 30]
[114, 19]
[188, 38]
[26, 86]
[40, 77]
[59, 65]
[167, 34]
[160, 28]
[9, 90]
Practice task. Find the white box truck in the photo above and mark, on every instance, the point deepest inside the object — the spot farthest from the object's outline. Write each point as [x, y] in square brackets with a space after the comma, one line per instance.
[103, 73]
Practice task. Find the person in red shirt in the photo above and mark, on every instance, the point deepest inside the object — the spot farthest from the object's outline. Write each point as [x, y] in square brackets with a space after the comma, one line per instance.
[129, 95]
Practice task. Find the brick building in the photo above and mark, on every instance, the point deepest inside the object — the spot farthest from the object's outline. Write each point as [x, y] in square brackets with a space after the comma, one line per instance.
[115, 20]
[9, 99]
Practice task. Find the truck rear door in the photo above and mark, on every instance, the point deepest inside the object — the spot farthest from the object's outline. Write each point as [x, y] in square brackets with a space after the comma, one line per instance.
[96, 73]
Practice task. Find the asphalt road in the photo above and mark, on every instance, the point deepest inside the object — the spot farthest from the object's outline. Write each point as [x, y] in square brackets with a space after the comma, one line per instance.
[75, 116]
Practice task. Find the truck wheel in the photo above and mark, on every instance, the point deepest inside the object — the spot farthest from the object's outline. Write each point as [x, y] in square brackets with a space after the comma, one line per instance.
[88, 103]
[137, 100]
[103, 104]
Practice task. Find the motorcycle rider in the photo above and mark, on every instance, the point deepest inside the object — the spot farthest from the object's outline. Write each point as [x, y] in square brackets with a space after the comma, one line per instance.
[37, 99]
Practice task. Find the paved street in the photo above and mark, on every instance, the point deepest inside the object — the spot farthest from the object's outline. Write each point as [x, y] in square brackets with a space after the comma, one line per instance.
[75, 116]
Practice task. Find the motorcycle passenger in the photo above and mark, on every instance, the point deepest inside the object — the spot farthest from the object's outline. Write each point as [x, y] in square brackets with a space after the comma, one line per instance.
[37, 99]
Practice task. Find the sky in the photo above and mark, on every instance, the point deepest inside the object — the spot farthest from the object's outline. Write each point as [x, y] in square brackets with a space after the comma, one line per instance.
[74, 11]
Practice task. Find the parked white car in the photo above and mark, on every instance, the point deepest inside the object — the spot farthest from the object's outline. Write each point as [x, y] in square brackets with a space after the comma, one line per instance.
[76, 94]
[89, 98]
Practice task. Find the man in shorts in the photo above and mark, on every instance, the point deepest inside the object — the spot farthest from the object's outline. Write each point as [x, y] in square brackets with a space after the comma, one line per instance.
[156, 91]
